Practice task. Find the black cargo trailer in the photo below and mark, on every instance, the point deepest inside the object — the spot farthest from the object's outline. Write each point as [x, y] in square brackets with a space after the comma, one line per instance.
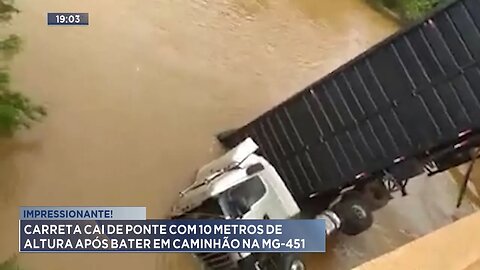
[409, 104]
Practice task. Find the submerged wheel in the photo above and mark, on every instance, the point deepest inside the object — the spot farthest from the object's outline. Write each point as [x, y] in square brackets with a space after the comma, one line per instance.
[284, 262]
[376, 195]
[294, 263]
[354, 213]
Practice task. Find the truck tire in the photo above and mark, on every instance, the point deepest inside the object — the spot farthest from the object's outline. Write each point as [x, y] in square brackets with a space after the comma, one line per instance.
[283, 261]
[375, 195]
[292, 262]
[354, 213]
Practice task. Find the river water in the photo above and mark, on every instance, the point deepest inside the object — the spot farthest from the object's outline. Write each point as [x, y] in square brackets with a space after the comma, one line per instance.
[135, 98]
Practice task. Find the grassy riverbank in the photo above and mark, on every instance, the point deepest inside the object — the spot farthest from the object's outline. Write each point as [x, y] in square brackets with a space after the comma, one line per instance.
[406, 11]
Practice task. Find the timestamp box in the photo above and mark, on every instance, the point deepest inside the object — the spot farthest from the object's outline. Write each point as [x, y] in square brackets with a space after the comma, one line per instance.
[67, 18]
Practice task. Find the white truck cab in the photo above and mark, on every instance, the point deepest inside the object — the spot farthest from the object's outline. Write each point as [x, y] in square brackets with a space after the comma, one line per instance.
[244, 185]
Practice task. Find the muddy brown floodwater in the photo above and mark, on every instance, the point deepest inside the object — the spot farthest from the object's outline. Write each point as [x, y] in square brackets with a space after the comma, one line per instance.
[135, 99]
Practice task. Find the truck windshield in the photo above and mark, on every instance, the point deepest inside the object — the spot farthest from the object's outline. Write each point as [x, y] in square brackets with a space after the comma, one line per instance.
[238, 200]
[209, 209]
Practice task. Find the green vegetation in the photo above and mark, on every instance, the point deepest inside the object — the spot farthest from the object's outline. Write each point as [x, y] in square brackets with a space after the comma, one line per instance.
[10, 46]
[10, 264]
[408, 10]
[16, 110]
[7, 10]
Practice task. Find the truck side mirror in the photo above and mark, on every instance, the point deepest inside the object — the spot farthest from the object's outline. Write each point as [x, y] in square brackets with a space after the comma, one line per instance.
[255, 168]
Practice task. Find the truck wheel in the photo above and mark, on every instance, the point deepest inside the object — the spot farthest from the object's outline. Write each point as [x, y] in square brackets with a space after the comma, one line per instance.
[354, 213]
[375, 194]
[293, 263]
[284, 262]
